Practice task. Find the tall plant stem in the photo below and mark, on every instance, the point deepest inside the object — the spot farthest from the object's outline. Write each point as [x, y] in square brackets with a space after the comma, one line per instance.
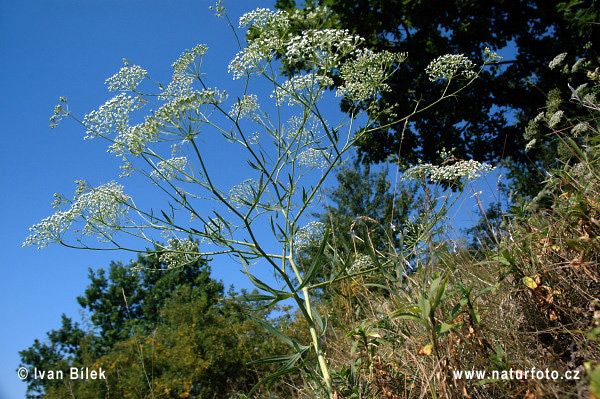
[313, 332]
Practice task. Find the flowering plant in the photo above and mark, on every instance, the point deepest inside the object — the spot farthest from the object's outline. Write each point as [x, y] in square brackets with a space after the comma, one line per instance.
[289, 158]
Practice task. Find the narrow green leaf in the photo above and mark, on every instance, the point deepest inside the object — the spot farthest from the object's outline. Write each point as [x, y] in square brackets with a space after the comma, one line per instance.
[439, 295]
[312, 271]
[250, 298]
[273, 331]
[410, 316]
[285, 369]
[166, 217]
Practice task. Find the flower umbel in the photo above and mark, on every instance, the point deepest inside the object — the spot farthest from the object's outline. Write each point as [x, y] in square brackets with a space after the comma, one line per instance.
[310, 234]
[128, 78]
[102, 209]
[447, 66]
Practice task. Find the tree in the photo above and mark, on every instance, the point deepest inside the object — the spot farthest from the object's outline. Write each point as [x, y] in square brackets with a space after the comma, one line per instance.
[192, 343]
[487, 122]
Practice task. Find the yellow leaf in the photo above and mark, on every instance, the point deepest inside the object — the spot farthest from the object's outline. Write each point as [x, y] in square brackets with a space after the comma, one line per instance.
[426, 350]
[529, 282]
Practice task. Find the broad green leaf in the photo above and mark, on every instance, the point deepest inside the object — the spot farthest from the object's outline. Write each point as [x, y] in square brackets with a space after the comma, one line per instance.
[443, 327]
[425, 307]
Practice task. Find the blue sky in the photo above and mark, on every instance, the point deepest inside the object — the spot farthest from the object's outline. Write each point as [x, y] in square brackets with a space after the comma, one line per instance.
[68, 48]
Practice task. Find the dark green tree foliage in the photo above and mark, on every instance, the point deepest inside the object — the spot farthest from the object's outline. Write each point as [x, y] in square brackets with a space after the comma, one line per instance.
[147, 292]
[487, 122]
[62, 349]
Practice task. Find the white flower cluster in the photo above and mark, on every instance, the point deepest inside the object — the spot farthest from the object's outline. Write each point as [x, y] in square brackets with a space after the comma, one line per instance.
[580, 128]
[313, 158]
[102, 209]
[181, 86]
[127, 78]
[304, 130]
[218, 8]
[133, 140]
[180, 253]
[244, 107]
[263, 18]
[112, 116]
[214, 229]
[244, 193]
[555, 118]
[250, 60]
[491, 56]
[292, 89]
[364, 75]
[557, 60]
[175, 110]
[169, 169]
[468, 170]
[308, 235]
[187, 58]
[322, 47]
[310, 16]
[447, 66]
[362, 262]
[268, 29]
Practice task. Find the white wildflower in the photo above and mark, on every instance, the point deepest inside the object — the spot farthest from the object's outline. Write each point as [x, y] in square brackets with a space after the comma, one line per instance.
[308, 235]
[324, 48]
[305, 130]
[112, 116]
[102, 209]
[555, 118]
[177, 109]
[580, 128]
[265, 19]
[169, 169]
[313, 158]
[254, 57]
[294, 90]
[244, 107]
[530, 145]
[557, 60]
[447, 66]
[218, 8]
[134, 139]
[491, 57]
[468, 170]
[127, 78]
[180, 86]
[244, 193]
[361, 263]
[180, 253]
[364, 75]
[578, 64]
[182, 66]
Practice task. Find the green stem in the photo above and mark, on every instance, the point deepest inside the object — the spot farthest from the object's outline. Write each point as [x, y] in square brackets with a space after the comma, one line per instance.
[313, 332]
